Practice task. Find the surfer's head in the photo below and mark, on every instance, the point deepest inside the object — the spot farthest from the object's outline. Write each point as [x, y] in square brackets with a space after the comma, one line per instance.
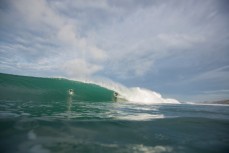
[115, 94]
[70, 92]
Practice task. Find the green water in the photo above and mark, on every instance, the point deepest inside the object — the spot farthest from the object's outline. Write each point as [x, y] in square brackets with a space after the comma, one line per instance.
[37, 115]
[23, 88]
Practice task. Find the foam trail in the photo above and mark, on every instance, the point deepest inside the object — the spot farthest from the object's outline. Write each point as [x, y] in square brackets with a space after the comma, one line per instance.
[135, 94]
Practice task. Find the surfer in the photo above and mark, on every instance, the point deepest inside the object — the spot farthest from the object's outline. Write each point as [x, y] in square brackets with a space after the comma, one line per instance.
[70, 92]
[115, 94]
[118, 98]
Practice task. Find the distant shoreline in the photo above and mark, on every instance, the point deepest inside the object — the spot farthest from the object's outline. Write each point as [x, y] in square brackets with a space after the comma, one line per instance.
[217, 102]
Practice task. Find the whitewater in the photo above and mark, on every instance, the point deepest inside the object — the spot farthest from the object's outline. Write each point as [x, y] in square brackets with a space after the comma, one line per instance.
[133, 94]
[57, 115]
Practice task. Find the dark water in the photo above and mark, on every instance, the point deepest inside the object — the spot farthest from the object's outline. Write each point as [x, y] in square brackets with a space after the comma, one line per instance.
[37, 115]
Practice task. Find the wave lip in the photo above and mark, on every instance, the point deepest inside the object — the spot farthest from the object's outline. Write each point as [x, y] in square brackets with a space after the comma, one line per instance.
[134, 94]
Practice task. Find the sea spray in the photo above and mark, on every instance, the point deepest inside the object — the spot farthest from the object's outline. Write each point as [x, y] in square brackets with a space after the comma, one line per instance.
[133, 94]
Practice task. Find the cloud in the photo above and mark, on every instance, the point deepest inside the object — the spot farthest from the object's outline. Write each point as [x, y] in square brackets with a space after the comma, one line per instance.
[80, 68]
[180, 40]
[67, 35]
[156, 32]
[128, 41]
[219, 75]
[37, 12]
[50, 34]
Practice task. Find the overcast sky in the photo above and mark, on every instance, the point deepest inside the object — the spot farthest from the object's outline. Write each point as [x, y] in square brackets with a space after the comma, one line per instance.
[179, 48]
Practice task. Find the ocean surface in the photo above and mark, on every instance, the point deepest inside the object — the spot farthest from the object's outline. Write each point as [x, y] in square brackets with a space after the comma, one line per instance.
[56, 115]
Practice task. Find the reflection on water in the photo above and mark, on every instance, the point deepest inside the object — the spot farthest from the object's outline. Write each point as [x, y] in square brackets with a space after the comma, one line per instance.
[69, 106]
[80, 110]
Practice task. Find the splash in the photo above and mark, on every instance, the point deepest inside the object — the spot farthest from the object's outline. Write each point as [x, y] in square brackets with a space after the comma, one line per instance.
[134, 94]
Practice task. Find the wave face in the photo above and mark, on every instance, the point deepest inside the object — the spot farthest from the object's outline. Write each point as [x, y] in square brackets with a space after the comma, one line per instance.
[23, 88]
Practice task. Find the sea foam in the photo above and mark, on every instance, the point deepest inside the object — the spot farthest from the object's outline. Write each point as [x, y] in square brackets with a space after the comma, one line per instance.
[133, 94]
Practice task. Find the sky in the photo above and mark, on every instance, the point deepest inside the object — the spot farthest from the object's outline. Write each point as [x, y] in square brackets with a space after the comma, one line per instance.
[179, 48]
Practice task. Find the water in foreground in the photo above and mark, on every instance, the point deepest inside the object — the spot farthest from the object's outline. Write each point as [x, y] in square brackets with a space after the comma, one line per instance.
[38, 117]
